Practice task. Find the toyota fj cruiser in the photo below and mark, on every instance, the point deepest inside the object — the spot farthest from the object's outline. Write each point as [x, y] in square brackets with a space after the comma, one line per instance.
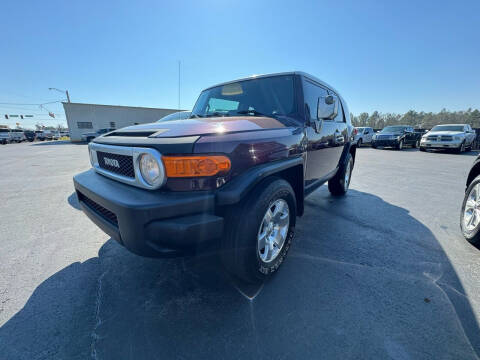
[233, 176]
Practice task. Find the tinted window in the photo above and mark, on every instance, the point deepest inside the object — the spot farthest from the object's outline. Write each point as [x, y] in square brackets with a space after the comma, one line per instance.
[311, 93]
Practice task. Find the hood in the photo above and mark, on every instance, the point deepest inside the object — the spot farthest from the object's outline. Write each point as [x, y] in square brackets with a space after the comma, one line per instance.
[201, 126]
[451, 133]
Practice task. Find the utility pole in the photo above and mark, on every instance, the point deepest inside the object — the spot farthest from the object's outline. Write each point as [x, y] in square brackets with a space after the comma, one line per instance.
[178, 84]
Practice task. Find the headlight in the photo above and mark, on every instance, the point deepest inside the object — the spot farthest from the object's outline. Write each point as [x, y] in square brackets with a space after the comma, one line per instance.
[150, 169]
[458, 138]
[90, 153]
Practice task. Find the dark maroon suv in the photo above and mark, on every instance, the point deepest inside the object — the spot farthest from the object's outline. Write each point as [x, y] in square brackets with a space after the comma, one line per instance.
[232, 177]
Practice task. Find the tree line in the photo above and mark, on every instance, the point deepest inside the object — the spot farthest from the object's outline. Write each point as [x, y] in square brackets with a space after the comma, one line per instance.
[419, 120]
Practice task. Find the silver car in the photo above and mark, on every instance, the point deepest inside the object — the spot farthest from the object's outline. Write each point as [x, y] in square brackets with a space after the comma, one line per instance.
[5, 136]
[458, 137]
[364, 135]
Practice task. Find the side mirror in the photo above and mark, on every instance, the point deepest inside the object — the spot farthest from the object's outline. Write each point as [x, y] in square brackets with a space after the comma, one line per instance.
[327, 107]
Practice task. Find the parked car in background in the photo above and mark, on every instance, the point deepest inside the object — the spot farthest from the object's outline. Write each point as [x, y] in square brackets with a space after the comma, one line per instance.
[92, 135]
[234, 179]
[39, 135]
[179, 115]
[470, 212]
[56, 135]
[48, 134]
[5, 136]
[29, 135]
[64, 134]
[397, 137]
[457, 137]
[18, 135]
[364, 135]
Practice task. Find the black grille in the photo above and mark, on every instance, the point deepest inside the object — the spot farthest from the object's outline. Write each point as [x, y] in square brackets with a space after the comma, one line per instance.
[100, 210]
[447, 138]
[110, 161]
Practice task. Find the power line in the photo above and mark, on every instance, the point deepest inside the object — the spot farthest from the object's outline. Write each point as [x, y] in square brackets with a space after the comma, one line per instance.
[51, 102]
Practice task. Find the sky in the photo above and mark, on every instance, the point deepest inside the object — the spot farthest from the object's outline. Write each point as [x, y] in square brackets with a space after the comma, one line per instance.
[390, 56]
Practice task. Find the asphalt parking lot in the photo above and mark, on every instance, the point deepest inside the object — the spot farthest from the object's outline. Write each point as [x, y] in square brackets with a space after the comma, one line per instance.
[382, 273]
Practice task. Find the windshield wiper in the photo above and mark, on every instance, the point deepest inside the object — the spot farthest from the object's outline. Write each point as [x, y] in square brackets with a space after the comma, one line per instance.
[251, 112]
[195, 116]
[216, 113]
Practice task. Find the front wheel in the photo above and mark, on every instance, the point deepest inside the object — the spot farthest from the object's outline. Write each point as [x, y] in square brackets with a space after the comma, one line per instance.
[260, 230]
[400, 145]
[338, 185]
[416, 144]
[359, 143]
[422, 148]
[461, 149]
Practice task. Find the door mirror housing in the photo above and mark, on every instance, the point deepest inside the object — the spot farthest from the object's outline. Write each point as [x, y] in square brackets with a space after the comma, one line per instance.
[327, 108]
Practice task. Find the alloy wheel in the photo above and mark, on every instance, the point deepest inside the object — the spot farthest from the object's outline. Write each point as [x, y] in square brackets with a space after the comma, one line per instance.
[273, 230]
[471, 214]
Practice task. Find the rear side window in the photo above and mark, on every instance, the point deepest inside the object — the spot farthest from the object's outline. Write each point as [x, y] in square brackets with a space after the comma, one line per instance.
[311, 93]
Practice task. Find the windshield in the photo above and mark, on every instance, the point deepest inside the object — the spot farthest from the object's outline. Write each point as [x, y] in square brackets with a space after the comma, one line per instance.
[269, 96]
[360, 130]
[393, 129]
[448, 128]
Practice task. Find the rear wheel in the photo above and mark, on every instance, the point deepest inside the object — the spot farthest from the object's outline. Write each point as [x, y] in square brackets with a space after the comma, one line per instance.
[470, 214]
[260, 230]
[422, 148]
[338, 185]
[416, 144]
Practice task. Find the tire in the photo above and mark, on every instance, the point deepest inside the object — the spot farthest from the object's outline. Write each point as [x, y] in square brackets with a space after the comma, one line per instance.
[416, 144]
[338, 185]
[374, 146]
[359, 143]
[422, 148]
[461, 149]
[400, 145]
[471, 234]
[241, 253]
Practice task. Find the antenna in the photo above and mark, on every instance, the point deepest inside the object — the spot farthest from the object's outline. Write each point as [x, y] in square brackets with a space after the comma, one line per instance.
[178, 84]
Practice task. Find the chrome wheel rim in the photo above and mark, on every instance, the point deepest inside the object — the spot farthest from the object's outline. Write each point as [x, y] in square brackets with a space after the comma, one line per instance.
[348, 172]
[273, 230]
[400, 145]
[471, 214]
[462, 149]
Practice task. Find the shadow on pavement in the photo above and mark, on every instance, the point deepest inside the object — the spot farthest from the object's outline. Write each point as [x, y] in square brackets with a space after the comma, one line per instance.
[364, 279]
[73, 201]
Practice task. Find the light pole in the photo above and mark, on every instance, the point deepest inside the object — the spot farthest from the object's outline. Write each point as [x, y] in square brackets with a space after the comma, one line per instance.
[62, 91]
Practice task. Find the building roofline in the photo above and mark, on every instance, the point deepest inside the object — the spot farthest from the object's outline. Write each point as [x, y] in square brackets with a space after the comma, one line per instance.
[121, 106]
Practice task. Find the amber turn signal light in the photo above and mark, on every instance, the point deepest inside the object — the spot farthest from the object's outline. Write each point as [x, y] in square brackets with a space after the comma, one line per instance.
[194, 166]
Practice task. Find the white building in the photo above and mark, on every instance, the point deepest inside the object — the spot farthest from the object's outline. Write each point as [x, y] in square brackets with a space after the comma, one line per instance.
[83, 118]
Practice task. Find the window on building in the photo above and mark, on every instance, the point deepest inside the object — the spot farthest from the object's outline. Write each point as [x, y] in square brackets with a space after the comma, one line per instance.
[112, 125]
[84, 125]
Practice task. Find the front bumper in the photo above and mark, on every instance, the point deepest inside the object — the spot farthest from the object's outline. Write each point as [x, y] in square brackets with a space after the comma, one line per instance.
[385, 143]
[440, 144]
[149, 223]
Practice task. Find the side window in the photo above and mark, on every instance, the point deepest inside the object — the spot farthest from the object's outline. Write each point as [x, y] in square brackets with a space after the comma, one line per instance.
[311, 93]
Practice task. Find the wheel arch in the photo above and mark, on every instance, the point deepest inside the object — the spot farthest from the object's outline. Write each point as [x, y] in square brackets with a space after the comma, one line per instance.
[291, 170]
[474, 172]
